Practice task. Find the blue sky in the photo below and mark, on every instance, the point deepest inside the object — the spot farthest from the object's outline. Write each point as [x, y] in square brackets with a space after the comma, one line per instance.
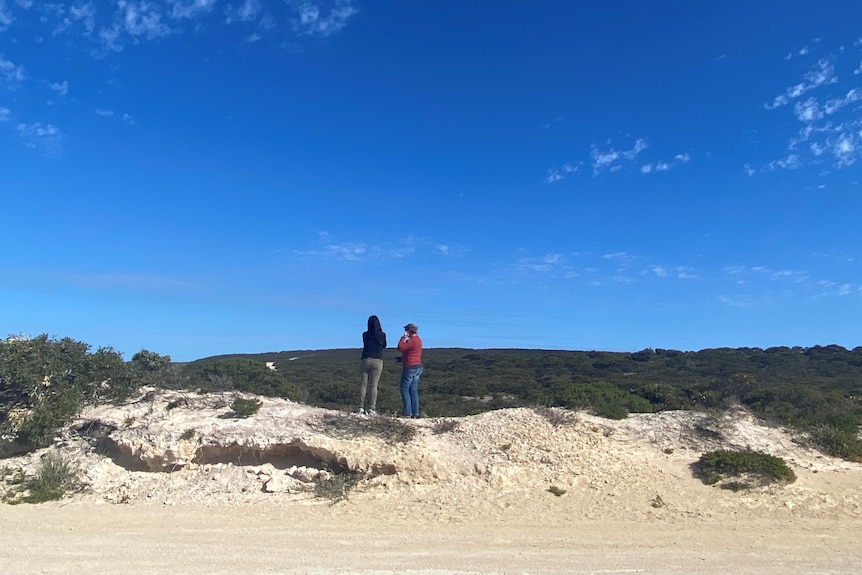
[199, 177]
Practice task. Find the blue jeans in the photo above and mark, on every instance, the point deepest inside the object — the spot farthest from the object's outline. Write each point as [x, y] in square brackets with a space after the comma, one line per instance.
[410, 389]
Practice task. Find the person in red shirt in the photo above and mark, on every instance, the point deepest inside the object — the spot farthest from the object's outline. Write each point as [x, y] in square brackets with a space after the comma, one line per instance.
[410, 347]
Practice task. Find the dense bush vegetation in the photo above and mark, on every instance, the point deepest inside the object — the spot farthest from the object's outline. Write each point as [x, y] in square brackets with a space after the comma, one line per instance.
[44, 382]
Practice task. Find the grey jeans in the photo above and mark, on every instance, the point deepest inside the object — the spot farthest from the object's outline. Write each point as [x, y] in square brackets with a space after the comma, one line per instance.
[369, 375]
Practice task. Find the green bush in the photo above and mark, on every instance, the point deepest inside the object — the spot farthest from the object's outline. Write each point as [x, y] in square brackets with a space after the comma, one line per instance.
[838, 442]
[245, 407]
[45, 382]
[244, 375]
[55, 477]
[752, 466]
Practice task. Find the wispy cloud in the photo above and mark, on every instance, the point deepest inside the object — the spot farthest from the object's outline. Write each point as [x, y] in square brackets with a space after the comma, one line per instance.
[41, 136]
[547, 125]
[5, 114]
[665, 165]
[190, 8]
[6, 17]
[62, 88]
[557, 174]
[317, 19]
[612, 160]
[831, 128]
[10, 73]
[111, 26]
[759, 282]
[329, 248]
[823, 73]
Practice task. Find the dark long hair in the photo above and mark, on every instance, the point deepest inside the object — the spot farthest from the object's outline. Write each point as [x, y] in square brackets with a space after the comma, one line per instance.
[374, 327]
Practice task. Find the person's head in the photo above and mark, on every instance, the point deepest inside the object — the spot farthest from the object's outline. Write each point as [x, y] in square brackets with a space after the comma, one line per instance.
[411, 328]
[374, 324]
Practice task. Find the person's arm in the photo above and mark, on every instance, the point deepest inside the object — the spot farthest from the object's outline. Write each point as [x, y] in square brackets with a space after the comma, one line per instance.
[404, 343]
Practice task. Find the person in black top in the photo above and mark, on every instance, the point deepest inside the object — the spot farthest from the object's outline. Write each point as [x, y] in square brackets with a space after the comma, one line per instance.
[373, 344]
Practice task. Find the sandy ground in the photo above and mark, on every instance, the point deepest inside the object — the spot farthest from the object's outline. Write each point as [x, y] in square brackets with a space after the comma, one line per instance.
[471, 497]
[364, 539]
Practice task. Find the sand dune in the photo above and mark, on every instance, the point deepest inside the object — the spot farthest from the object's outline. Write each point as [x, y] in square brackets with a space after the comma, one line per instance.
[192, 490]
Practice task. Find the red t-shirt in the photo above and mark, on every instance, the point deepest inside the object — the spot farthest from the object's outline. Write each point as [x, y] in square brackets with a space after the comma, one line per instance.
[411, 351]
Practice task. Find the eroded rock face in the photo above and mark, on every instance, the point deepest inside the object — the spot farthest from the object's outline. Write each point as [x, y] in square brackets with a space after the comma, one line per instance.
[163, 433]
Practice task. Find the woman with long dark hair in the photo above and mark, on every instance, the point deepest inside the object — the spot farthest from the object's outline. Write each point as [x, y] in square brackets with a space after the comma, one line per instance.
[371, 366]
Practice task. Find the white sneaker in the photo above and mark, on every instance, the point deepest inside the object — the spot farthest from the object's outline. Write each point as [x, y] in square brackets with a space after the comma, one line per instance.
[371, 412]
[361, 411]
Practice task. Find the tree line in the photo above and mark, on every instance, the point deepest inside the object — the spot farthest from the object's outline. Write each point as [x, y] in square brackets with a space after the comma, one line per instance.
[815, 389]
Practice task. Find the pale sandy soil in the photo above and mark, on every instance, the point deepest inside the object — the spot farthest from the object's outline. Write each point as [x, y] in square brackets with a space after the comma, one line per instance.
[468, 499]
[370, 539]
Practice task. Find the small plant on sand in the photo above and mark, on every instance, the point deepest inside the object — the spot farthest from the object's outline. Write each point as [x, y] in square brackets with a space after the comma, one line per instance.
[336, 487]
[181, 402]
[444, 426]
[556, 491]
[747, 468]
[245, 407]
[55, 477]
[349, 427]
[557, 417]
[188, 434]
[506, 447]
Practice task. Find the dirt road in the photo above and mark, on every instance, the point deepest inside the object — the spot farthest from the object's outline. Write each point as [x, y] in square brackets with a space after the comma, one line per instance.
[323, 539]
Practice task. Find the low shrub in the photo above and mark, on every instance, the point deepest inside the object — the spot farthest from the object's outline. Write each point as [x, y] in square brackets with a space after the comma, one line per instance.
[843, 443]
[444, 426]
[748, 468]
[336, 487]
[391, 429]
[55, 477]
[245, 407]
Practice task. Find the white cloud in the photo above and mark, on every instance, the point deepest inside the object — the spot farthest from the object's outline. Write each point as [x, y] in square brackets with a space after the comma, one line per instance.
[613, 160]
[554, 175]
[41, 135]
[141, 19]
[248, 10]
[791, 162]
[808, 111]
[663, 166]
[557, 174]
[86, 14]
[190, 8]
[6, 17]
[5, 114]
[823, 73]
[314, 20]
[104, 112]
[62, 88]
[834, 105]
[845, 149]
[9, 72]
